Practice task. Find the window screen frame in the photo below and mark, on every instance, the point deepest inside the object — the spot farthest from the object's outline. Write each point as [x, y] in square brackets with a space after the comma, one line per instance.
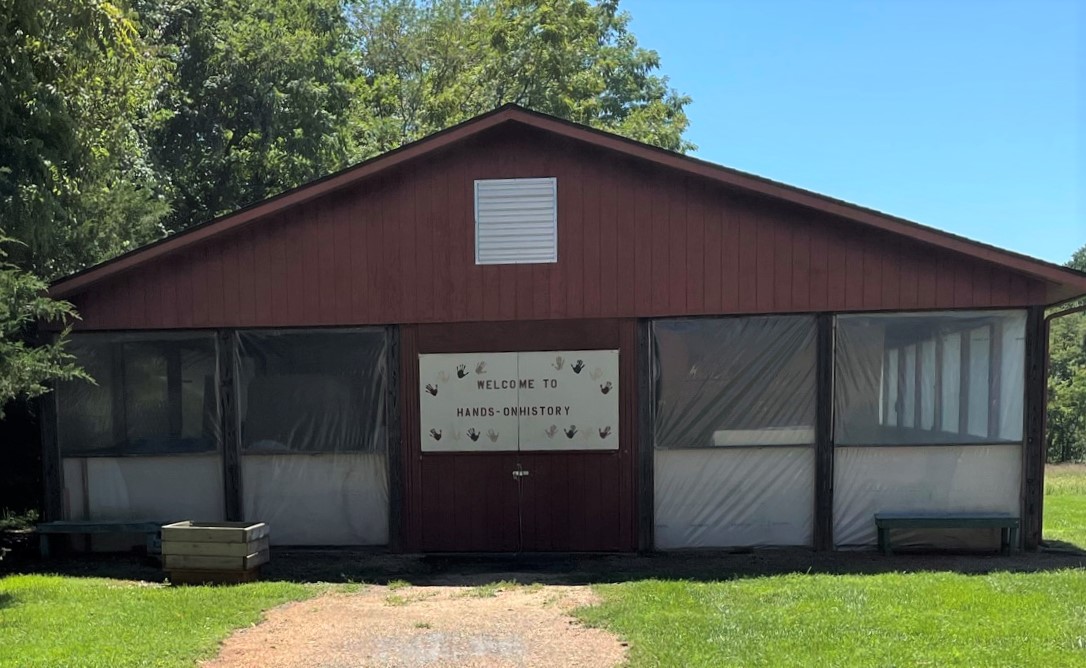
[120, 338]
[964, 358]
[381, 446]
[655, 380]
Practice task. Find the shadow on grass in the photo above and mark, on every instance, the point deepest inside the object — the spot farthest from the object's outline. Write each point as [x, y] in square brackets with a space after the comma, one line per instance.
[334, 565]
[6, 600]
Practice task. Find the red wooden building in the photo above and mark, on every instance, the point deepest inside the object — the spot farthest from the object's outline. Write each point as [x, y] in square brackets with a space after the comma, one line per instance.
[522, 334]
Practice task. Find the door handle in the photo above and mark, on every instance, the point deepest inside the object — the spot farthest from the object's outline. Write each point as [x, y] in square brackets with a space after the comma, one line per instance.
[520, 473]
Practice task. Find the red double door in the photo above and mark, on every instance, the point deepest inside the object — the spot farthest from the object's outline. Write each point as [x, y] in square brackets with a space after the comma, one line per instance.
[531, 498]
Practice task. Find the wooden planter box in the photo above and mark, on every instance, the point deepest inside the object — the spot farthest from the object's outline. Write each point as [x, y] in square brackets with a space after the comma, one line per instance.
[198, 552]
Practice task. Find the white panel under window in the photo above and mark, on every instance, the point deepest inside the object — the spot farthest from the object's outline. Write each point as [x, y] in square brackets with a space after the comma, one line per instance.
[516, 221]
[950, 478]
[734, 497]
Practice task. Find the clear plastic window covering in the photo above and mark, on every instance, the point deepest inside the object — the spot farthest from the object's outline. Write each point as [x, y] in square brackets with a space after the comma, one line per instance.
[312, 391]
[930, 378]
[154, 393]
[949, 478]
[734, 497]
[724, 382]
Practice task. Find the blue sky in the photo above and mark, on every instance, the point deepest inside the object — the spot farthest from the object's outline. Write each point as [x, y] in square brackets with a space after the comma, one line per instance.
[966, 115]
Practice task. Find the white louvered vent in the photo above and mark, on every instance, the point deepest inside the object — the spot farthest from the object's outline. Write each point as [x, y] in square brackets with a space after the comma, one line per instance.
[516, 221]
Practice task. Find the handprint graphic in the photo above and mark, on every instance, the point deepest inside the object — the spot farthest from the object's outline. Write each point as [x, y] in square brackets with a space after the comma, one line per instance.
[492, 435]
[605, 432]
[551, 431]
[473, 435]
[577, 366]
[559, 362]
[432, 389]
[480, 368]
[436, 433]
[461, 370]
[606, 387]
[571, 432]
[596, 374]
[442, 377]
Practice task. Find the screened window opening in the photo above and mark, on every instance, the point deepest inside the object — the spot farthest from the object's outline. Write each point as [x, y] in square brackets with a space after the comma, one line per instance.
[153, 394]
[312, 391]
[727, 382]
[906, 379]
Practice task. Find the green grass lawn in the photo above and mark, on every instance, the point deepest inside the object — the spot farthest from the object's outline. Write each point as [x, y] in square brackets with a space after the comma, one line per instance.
[1065, 504]
[48, 620]
[894, 619]
[918, 619]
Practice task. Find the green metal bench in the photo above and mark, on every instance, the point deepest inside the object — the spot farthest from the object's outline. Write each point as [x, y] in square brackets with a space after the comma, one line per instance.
[1005, 522]
[152, 530]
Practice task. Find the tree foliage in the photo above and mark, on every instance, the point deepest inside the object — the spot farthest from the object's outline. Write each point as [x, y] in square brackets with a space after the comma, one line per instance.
[122, 120]
[1067, 382]
[257, 101]
[24, 368]
[75, 183]
[426, 65]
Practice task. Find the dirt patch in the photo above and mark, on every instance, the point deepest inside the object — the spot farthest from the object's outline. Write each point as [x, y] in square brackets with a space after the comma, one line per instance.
[426, 626]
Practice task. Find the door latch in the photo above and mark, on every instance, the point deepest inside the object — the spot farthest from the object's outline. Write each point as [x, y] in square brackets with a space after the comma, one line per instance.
[519, 473]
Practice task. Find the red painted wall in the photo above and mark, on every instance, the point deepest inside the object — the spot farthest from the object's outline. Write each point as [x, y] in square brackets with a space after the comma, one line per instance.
[634, 241]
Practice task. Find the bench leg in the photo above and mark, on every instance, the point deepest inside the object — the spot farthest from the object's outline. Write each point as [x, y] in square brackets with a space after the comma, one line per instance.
[43, 545]
[884, 541]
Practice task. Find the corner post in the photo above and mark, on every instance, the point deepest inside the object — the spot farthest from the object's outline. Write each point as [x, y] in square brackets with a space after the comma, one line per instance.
[646, 498]
[394, 446]
[52, 468]
[823, 529]
[231, 446]
[1034, 446]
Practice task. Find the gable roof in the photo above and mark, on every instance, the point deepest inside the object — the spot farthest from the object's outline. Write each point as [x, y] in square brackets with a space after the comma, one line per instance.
[1072, 281]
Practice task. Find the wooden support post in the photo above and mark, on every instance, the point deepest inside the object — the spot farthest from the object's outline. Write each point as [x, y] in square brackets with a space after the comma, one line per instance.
[394, 447]
[231, 441]
[823, 529]
[646, 498]
[1033, 452]
[53, 471]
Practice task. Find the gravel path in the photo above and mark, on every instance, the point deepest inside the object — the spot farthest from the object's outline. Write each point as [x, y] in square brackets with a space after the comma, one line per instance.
[426, 626]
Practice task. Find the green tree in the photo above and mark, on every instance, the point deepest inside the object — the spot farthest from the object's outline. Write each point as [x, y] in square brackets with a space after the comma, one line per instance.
[75, 85]
[428, 64]
[1067, 382]
[256, 103]
[26, 369]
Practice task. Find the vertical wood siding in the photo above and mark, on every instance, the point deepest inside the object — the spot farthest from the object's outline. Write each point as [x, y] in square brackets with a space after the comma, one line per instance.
[572, 501]
[634, 241]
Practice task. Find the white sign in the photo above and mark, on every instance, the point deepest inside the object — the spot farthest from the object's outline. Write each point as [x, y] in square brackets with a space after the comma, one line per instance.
[566, 400]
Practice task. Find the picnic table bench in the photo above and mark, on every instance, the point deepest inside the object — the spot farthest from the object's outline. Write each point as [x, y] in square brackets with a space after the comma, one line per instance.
[47, 530]
[1005, 522]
